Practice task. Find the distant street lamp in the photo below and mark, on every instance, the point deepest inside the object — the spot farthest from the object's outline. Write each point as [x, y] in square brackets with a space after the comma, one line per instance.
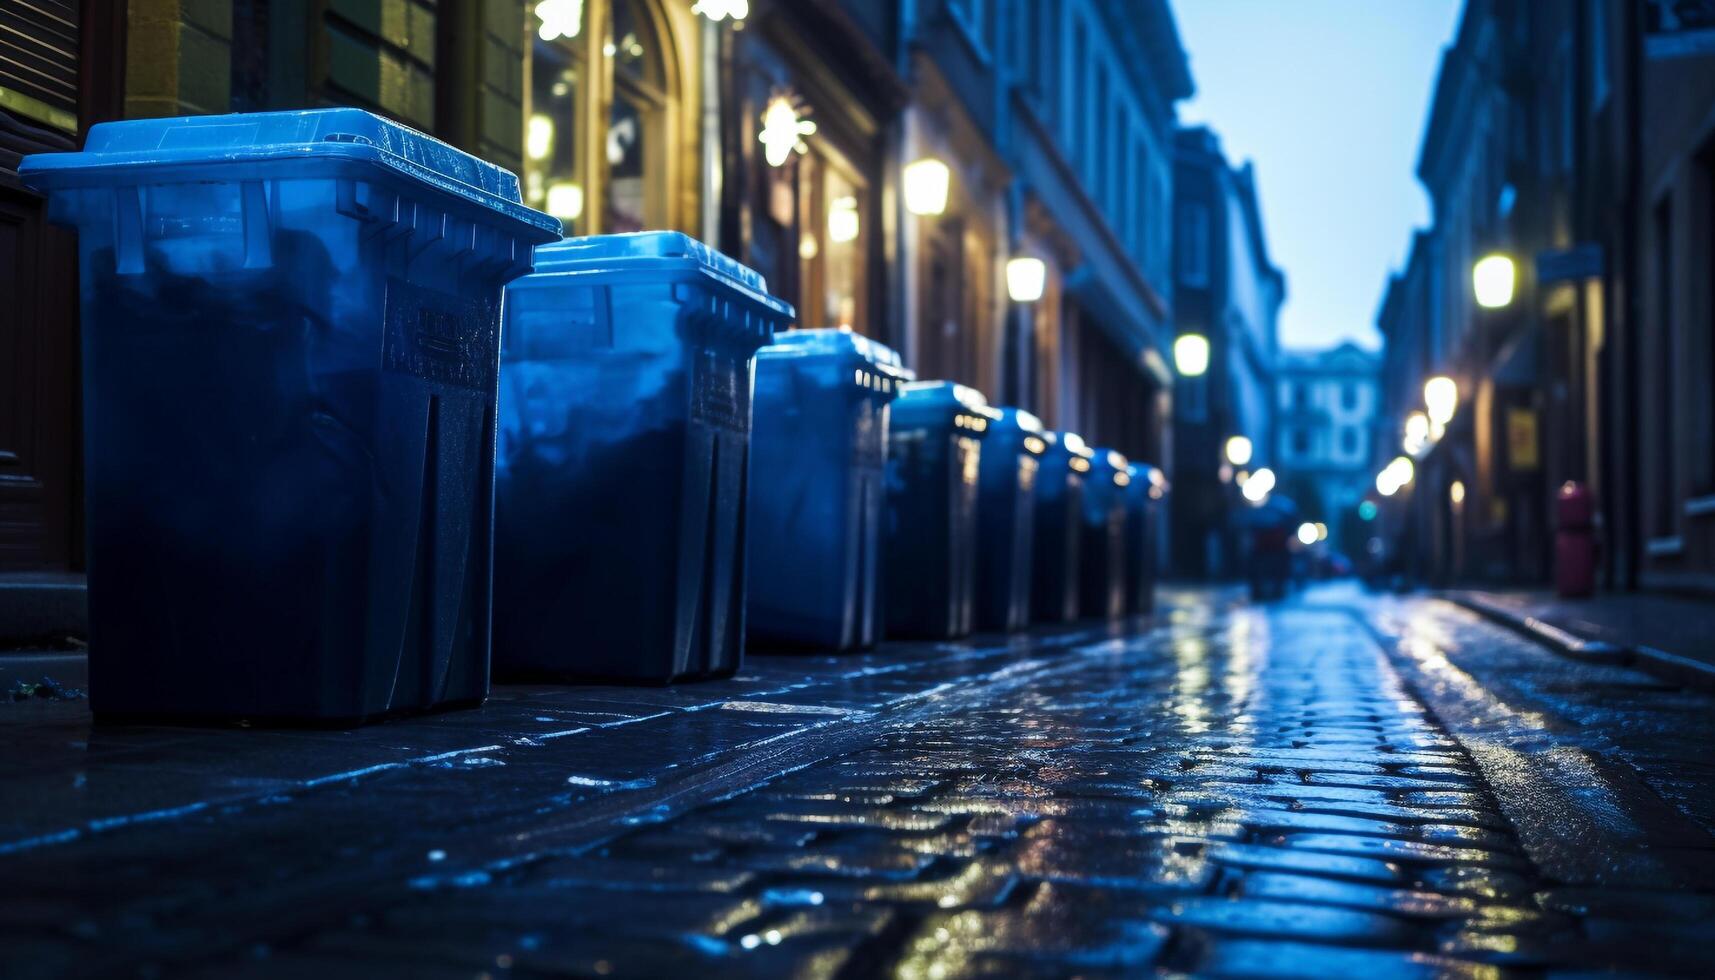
[1239, 450]
[1307, 534]
[1456, 492]
[1191, 354]
[926, 183]
[1441, 397]
[1026, 278]
[1492, 280]
[1416, 433]
[1257, 487]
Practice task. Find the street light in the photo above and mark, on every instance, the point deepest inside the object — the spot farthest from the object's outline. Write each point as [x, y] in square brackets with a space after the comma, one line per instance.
[1492, 280]
[1191, 354]
[926, 183]
[1416, 433]
[1307, 534]
[1257, 487]
[1441, 397]
[1456, 492]
[1026, 277]
[1239, 450]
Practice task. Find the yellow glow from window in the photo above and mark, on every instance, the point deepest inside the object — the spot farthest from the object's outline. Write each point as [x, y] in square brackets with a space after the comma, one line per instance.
[539, 137]
[843, 223]
[566, 201]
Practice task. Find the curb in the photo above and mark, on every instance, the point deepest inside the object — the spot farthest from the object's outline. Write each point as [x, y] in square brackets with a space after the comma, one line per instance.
[1658, 663]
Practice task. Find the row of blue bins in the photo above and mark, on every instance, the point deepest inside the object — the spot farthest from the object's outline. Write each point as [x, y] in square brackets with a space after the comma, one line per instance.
[326, 485]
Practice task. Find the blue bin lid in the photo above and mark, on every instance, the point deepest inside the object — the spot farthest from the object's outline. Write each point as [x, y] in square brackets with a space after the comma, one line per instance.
[655, 251]
[1115, 464]
[839, 342]
[1024, 427]
[1150, 478]
[1072, 447]
[254, 146]
[944, 402]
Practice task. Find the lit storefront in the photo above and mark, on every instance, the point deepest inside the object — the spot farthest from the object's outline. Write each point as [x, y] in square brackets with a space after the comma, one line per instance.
[808, 115]
[610, 130]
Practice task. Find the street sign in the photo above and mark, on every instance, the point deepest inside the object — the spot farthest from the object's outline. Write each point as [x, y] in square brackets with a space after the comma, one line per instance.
[1679, 28]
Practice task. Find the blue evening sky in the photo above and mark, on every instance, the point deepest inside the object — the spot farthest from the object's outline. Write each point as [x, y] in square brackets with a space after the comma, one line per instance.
[1329, 98]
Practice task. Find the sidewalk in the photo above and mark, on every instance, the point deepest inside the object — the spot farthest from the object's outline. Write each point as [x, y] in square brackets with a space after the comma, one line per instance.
[1669, 636]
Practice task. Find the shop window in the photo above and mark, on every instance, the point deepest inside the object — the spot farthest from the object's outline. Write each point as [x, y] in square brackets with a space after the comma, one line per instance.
[630, 80]
[553, 178]
[832, 241]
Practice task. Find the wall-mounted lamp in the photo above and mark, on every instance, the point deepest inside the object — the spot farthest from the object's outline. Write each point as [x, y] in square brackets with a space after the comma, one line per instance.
[1191, 354]
[783, 131]
[926, 184]
[1492, 280]
[1026, 278]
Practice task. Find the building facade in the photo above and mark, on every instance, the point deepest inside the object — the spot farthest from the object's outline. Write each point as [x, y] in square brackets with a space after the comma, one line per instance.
[1227, 290]
[1507, 159]
[1053, 121]
[1326, 405]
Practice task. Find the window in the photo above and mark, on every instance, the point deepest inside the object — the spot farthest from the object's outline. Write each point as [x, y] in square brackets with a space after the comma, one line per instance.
[1194, 244]
[628, 151]
[1349, 440]
[1301, 442]
[553, 178]
[1349, 396]
[833, 211]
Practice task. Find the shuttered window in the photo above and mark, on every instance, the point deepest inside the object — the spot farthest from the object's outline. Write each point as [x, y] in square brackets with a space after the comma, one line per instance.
[38, 61]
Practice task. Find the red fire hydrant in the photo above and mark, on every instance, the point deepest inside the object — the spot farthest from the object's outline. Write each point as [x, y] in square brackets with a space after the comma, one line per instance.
[1574, 541]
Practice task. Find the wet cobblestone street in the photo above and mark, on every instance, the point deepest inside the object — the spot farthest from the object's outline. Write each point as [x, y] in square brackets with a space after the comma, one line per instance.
[1339, 786]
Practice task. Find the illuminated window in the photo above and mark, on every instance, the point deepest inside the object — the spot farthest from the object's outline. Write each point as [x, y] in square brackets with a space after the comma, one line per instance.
[553, 178]
[832, 237]
[588, 57]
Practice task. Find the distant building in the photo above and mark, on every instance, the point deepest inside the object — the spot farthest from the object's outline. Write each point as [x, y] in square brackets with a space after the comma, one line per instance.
[1324, 424]
[1227, 290]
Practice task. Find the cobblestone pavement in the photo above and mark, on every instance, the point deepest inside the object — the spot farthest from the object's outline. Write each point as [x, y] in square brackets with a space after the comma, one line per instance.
[1338, 786]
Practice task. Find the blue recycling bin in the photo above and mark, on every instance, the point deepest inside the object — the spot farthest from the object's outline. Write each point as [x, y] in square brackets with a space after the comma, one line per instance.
[1101, 576]
[290, 340]
[625, 411]
[1059, 528]
[1144, 493]
[934, 450]
[1006, 517]
[818, 449]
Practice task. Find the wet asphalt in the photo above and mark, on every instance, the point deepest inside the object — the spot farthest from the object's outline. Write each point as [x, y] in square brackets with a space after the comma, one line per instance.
[1338, 785]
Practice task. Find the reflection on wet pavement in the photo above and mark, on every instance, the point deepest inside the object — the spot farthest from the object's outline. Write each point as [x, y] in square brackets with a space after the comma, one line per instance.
[1226, 791]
